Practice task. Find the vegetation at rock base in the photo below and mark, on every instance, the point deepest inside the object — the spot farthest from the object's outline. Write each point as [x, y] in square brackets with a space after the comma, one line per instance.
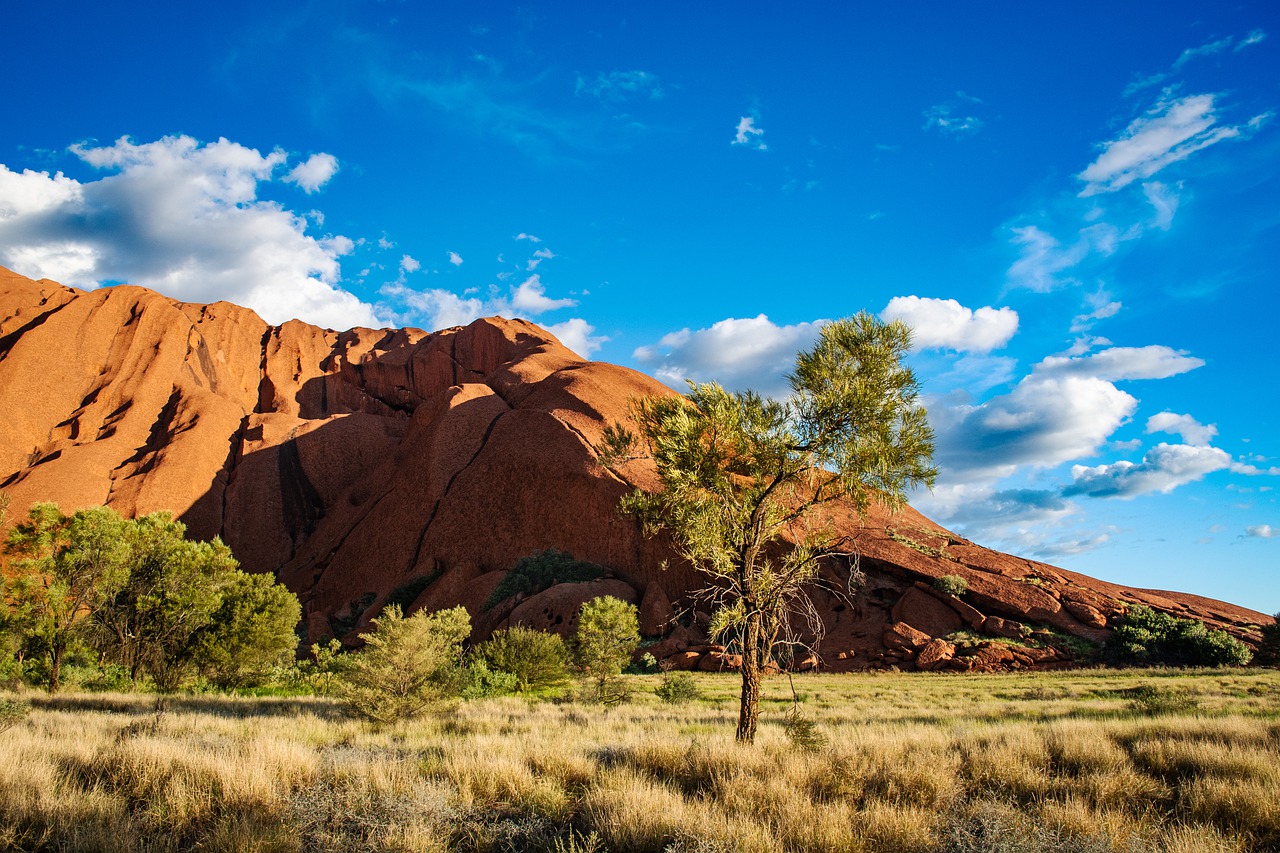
[142, 599]
[742, 474]
[541, 571]
[1146, 636]
[951, 585]
[1047, 762]
[538, 660]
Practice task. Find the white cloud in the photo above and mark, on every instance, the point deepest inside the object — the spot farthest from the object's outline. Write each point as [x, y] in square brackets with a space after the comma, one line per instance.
[738, 353]
[749, 135]
[578, 335]
[1171, 131]
[1044, 421]
[1163, 469]
[314, 172]
[1263, 531]
[530, 297]
[529, 237]
[184, 219]
[1251, 39]
[620, 85]
[1207, 49]
[1191, 430]
[455, 259]
[1164, 201]
[1041, 258]
[946, 324]
[1102, 307]
[409, 264]
[1119, 363]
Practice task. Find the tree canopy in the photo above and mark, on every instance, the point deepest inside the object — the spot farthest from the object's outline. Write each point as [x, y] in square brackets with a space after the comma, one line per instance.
[744, 478]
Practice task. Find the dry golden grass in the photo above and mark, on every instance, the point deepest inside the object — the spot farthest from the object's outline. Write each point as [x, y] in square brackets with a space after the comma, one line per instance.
[1060, 763]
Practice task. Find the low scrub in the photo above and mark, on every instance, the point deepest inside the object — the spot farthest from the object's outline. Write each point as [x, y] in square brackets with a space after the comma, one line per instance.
[541, 571]
[1146, 636]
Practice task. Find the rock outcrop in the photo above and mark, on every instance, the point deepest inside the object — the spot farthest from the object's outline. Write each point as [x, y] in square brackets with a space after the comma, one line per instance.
[374, 465]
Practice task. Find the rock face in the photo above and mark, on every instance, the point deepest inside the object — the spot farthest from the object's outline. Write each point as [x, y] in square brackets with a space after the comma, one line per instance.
[374, 465]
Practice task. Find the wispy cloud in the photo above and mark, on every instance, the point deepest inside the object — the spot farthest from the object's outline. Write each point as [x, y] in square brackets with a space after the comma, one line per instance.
[1206, 49]
[955, 117]
[1171, 131]
[749, 135]
[620, 85]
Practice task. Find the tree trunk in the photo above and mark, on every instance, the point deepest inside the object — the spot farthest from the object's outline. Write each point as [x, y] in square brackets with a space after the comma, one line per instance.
[749, 707]
[55, 667]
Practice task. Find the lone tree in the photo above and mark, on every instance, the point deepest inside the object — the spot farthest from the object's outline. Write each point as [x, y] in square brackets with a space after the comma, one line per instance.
[745, 478]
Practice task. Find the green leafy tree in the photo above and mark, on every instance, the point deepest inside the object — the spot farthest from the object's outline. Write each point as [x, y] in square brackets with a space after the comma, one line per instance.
[251, 632]
[1148, 636]
[155, 622]
[607, 635]
[68, 566]
[326, 667]
[407, 664]
[538, 659]
[745, 479]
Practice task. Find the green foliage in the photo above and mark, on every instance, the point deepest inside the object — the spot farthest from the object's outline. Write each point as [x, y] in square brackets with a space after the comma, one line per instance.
[742, 474]
[1153, 700]
[541, 571]
[608, 634]
[251, 633]
[1146, 636]
[325, 667]
[13, 712]
[536, 660]
[479, 681]
[803, 732]
[1269, 646]
[678, 688]
[951, 585]
[407, 664]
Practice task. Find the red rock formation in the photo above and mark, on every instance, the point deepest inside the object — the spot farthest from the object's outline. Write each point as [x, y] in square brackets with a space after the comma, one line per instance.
[366, 465]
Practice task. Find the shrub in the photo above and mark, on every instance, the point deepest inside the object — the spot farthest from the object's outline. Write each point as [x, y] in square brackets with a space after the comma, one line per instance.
[951, 585]
[1145, 636]
[541, 571]
[677, 688]
[12, 712]
[407, 664]
[608, 634]
[1269, 646]
[1152, 700]
[536, 659]
[481, 682]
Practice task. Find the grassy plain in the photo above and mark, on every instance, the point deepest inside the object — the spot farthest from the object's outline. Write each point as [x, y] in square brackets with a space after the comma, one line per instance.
[1063, 762]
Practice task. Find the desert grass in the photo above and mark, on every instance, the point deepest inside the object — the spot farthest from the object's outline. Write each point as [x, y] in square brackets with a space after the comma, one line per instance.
[1075, 762]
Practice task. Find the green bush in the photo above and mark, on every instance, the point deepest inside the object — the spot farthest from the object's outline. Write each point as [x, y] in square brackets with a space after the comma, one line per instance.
[608, 634]
[1152, 700]
[481, 682]
[407, 664]
[951, 585]
[1269, 647]
[541, 571]
[536, 659]
[12, 712]
[1145, 636]
[678, 688]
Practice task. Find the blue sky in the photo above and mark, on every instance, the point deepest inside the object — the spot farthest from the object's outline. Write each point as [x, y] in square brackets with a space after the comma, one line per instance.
[1076, 205]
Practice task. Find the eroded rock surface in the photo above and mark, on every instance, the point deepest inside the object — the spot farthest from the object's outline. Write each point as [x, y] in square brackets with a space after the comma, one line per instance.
[377, 465]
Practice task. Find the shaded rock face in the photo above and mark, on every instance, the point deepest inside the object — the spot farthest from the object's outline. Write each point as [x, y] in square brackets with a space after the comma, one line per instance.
[374, 465]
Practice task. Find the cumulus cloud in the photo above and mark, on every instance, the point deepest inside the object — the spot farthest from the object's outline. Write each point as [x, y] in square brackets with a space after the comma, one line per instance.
[183, 218]
[749, 135]
[1263, 531]
[1170, 131]
[946, 324]
[314, 172]
[1162, 469]
[436, 308]
[1191, 430]
[578, 335]
[620, 85]
[409, 264]
[455, 259]
[743, 353]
